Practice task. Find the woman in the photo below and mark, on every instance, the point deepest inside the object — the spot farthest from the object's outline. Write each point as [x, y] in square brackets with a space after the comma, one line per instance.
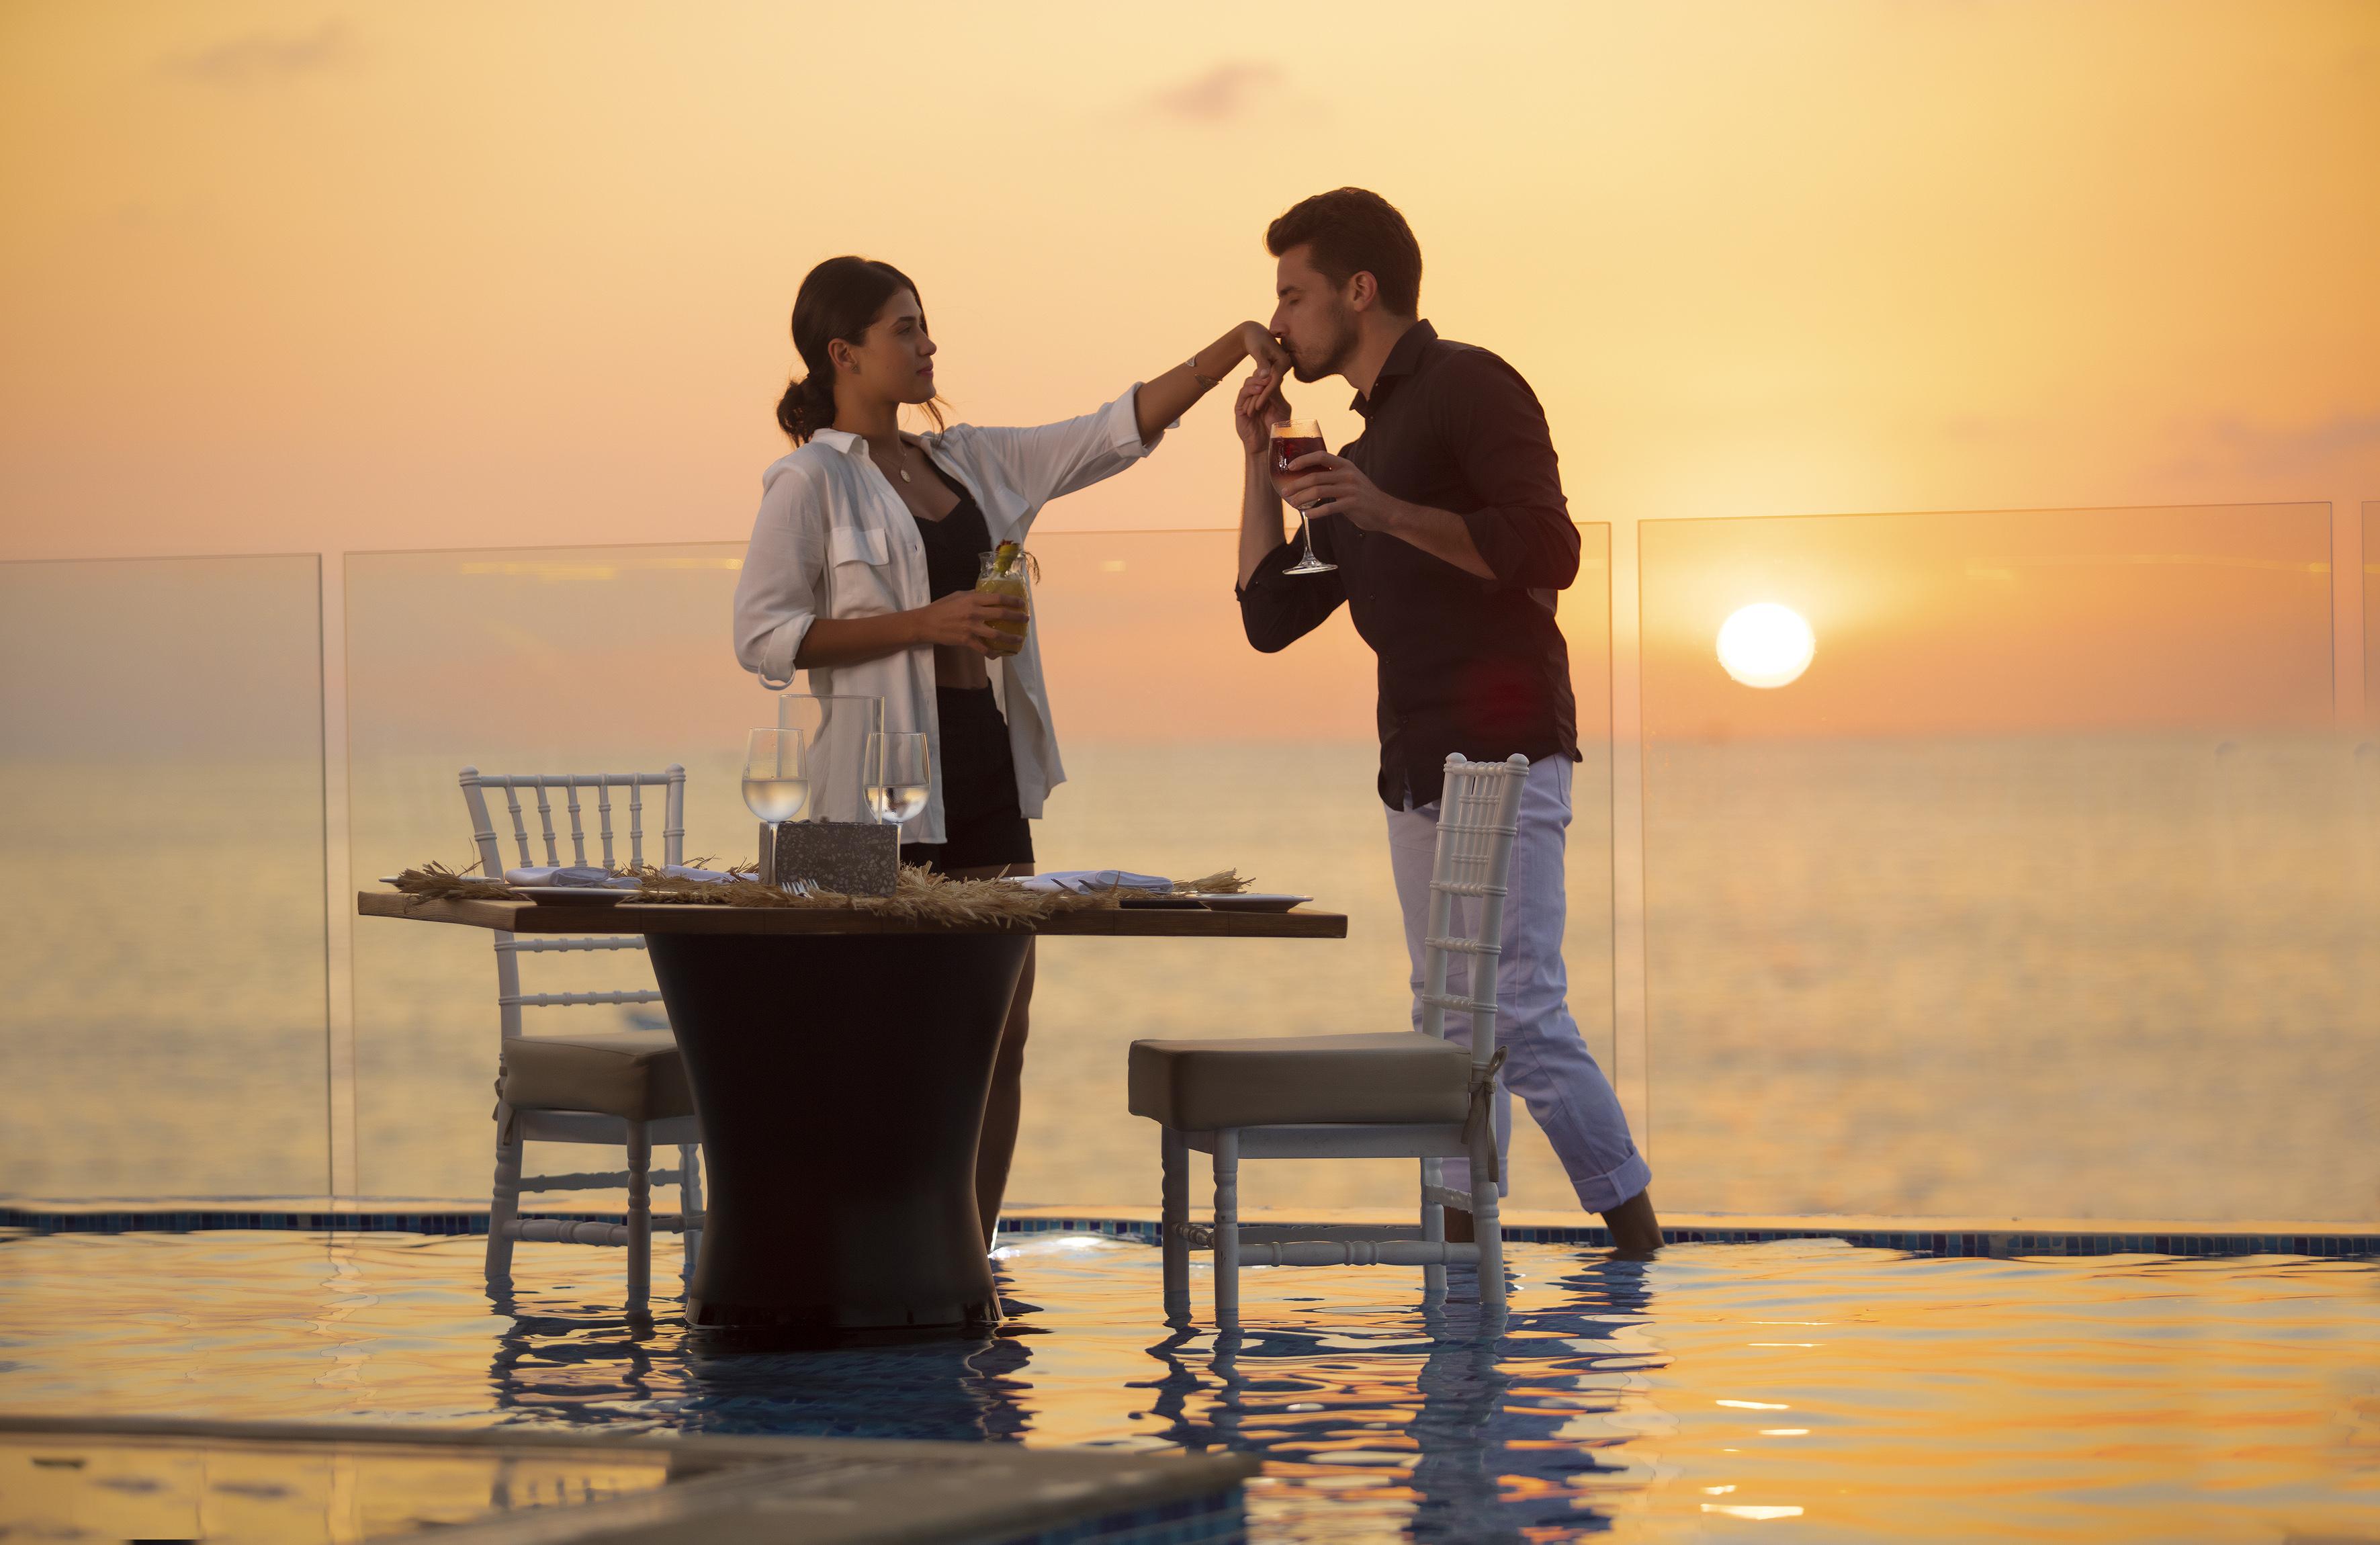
[863, 565]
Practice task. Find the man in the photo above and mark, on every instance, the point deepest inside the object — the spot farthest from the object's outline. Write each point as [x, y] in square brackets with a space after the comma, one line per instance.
[1447, 522]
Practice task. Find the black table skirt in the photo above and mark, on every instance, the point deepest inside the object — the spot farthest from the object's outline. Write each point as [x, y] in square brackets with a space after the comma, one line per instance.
[840, 1080]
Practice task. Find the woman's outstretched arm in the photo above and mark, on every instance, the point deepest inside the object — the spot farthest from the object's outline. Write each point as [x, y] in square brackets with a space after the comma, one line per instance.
[1047, 461]
[1166, 398]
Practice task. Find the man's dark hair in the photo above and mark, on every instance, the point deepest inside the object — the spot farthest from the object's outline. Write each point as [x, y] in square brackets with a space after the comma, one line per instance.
[1351, 231]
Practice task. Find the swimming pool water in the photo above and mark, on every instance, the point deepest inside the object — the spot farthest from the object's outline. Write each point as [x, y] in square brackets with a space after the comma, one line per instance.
[1804, 1386]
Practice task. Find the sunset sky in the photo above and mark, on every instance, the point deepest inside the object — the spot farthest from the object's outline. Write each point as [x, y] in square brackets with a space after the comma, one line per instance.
[309, 277]
[335, 278]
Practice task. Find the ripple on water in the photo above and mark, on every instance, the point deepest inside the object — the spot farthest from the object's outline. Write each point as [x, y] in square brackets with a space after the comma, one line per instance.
[1864, 1394]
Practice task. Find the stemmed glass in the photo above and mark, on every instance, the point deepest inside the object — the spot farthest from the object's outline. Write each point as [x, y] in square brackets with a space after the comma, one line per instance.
[776, 780]
[1293, 438]
[897, 775]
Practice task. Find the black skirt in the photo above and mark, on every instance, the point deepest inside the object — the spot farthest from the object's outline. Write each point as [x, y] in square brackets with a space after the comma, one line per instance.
[982, 824]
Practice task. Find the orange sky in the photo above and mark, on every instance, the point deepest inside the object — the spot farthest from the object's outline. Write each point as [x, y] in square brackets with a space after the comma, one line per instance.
[320, 278]
[317, 277]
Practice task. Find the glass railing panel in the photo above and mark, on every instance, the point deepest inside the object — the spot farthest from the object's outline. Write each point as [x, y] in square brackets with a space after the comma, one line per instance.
[1585, 617]
[2047, 891]
[612, 658]
[1186, 752]
[2371, 595]
[162, 764]
[1189, 752]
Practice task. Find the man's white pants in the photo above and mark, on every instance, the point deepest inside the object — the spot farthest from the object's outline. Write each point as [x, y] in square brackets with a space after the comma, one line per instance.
[1544, 1062]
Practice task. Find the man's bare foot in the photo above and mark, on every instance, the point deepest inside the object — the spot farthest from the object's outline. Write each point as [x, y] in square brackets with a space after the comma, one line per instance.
[1635, 1230]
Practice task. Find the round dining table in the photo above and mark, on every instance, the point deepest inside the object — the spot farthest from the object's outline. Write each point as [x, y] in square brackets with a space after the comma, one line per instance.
[839, 1064]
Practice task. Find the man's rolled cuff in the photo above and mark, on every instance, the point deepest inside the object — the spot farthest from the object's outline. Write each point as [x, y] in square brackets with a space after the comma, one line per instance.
[1516, 556]
[1270, 567]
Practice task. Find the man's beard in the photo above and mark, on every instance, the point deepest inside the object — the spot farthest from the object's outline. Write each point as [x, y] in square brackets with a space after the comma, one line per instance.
[1342, 345]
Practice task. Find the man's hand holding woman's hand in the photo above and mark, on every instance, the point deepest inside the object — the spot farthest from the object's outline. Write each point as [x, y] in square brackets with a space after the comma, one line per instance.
[1258, 409]
[1260, 405]
[963, 619]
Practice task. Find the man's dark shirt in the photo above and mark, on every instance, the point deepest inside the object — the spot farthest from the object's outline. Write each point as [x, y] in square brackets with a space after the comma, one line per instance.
[1466, 664]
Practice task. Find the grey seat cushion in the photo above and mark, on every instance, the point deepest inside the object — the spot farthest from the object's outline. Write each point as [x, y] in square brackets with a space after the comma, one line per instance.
[1199, 1086]
[634, 1075]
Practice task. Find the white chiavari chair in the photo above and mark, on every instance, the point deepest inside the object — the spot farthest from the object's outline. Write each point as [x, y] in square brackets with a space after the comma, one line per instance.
[626, 1088]
[1408, 1094]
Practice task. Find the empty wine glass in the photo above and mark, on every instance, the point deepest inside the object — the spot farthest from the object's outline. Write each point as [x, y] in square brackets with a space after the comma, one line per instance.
[1293, 438]
[898, 774]
[776, 781]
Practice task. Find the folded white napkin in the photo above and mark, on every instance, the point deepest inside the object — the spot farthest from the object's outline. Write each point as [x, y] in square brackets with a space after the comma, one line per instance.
[1085, 882]
[587, 875]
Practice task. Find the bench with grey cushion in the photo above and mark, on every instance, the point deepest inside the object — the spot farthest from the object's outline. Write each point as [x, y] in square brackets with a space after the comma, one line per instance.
[1400, 1094]
[633, 1075]
[1396, 1078]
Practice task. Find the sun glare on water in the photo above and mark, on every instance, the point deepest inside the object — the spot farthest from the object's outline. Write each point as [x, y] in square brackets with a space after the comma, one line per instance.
[1766, 644]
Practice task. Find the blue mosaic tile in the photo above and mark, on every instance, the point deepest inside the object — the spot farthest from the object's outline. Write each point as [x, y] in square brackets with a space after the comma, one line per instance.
[43, 1220]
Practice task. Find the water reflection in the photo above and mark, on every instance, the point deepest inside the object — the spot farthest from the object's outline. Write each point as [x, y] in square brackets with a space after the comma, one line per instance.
[595, 1370]
[1474, 1426]
[580, 1370]
[1884, 1398]
[953, 1391]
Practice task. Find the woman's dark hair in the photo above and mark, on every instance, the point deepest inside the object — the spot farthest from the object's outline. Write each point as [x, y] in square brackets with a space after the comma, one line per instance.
[1351, 231]
[838, 299]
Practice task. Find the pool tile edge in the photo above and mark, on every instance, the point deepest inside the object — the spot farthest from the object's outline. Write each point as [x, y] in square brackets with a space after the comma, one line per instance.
[1922, 1236]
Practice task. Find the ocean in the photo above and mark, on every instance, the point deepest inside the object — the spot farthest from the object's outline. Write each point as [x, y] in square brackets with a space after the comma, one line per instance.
[2116, 973]
[2110, 977]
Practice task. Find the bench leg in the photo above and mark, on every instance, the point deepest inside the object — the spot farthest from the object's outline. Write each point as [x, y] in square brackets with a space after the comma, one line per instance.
[1227, 1229]
[1173, 1215]
[1487, 1221]
[1433, 1227]
[503, 1201]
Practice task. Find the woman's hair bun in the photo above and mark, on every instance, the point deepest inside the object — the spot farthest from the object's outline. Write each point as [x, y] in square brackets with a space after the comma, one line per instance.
[807, 408]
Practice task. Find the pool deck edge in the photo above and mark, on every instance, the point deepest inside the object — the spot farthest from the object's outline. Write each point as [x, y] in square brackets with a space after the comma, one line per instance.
[1963, 1237]
[747, 1490]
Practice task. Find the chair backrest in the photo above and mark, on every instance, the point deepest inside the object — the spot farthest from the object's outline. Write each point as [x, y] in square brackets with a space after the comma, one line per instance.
[510, 998]
[1477, 817]
[483, 832]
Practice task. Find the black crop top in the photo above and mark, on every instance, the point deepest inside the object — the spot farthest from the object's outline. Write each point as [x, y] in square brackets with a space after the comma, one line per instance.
[954, 542]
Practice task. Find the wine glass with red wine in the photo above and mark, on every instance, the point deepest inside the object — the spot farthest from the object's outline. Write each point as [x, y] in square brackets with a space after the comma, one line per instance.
[1291, 439]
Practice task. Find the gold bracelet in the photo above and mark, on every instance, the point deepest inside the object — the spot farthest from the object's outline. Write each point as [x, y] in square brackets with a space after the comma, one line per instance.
[1206, 383]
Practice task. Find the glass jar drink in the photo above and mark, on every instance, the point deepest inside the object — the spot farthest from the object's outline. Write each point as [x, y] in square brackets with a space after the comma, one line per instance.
[1004, 573]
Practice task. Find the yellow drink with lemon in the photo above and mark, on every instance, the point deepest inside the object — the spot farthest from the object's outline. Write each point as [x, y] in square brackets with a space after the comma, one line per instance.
[1004, 573]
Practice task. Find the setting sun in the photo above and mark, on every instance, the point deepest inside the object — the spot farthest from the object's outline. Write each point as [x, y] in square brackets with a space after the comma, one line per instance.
[1766, 644]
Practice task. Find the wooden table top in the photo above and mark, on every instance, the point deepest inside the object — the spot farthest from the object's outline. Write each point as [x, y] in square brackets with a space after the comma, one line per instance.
[529, 917]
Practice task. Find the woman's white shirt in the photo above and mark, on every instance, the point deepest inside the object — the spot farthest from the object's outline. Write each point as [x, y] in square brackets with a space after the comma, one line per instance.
[834, 539]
